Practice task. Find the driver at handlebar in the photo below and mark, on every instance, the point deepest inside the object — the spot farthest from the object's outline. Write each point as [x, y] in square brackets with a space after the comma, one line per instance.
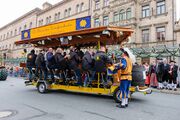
[126, 77]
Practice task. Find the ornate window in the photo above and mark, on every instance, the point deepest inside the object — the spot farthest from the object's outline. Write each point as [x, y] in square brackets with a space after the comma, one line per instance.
[97, 4]
[106, 3]
[96, 22]
[77, 8]
[15, 32]
[161, 7]
[55, 17]
[25, 27]
[122, 15]
[128, 13]
[145, 11]
[116, 17]
[30, 25]
[82, 7]
[145, 35]
[65, 13]
[59, 15]
[105, 21]
[69, 11]
[160, 33]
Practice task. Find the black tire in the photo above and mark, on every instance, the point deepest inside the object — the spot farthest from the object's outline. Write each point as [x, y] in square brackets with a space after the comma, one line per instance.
[42, 88]
[3, 74]
[137, 76]
[116, 95]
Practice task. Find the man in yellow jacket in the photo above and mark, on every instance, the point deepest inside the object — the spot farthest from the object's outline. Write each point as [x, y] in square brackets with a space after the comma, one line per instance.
[126, 77]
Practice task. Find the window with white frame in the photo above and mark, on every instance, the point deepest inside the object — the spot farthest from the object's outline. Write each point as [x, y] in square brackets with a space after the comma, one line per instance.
[55, 17]
[116, 17]
[122, 15]
[160, 33]
[82, 7]
[145, 35]
[49, 19]
[7, 36]
[15, 32]
[30, 25]
[69, 11]
[96, 22]
[59, 15]
[77, 8]
[97, 4]
[106, 3]
[65, 13]
[25, 27]
[128, 13]
[145, 11]
[11, 34]
[161, 7]
[105, 21]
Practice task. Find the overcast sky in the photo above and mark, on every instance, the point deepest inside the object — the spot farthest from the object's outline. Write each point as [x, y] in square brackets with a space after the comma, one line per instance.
[12, 9]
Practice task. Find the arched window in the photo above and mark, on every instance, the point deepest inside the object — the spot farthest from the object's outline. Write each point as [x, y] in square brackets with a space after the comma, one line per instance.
[7, 35]
[82, 7]
[69, 11]
[15, 32]
[122, 15]
[30, 25]
[116, 17]
[4, 36]
[11, 34]
[65, 13]
[20, 30]
[25, 27]
[59, 15]
[128, 13]
[42, 22]
[77, 8]
[55, 17]
[47, 20]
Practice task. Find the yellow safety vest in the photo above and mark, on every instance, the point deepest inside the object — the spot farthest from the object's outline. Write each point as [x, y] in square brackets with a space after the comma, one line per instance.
[127, 72]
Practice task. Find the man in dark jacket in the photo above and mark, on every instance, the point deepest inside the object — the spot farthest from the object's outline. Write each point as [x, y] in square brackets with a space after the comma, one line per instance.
[60, 63]
[31, 57]
[41, 65]
[159, 72]
[101, 60]
[51, 63]
[173, 75]
[74, 63]
[87, 64]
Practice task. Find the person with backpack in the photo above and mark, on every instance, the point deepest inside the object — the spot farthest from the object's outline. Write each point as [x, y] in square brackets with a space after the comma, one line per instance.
[30, 63]
[51, 63]
[87, 64]
[61, 65]
[41, 65]
[74, 62]
[101, 60]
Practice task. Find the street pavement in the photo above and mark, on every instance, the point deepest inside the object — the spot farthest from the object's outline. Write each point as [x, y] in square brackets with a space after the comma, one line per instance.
[27, 104]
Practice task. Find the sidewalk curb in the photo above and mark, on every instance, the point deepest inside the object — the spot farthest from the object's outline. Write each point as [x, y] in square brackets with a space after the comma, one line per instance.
[167, 91]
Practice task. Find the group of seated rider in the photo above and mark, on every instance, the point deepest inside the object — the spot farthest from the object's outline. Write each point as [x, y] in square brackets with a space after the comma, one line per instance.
[60, 65]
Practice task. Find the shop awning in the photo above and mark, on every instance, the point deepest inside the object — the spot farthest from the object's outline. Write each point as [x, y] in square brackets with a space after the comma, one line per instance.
[158, 51]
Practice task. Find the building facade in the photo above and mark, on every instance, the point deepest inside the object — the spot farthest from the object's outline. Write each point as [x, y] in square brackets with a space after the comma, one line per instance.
[152, 20]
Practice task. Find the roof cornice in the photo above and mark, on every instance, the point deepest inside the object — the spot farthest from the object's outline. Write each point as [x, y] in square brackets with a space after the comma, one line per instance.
[54, 6]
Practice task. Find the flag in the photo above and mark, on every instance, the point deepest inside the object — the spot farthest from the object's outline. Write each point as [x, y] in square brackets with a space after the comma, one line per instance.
[25, 35]
[82, 23]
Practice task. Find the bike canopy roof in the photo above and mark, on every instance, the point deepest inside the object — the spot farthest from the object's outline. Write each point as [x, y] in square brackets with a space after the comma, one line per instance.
[63, 34]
